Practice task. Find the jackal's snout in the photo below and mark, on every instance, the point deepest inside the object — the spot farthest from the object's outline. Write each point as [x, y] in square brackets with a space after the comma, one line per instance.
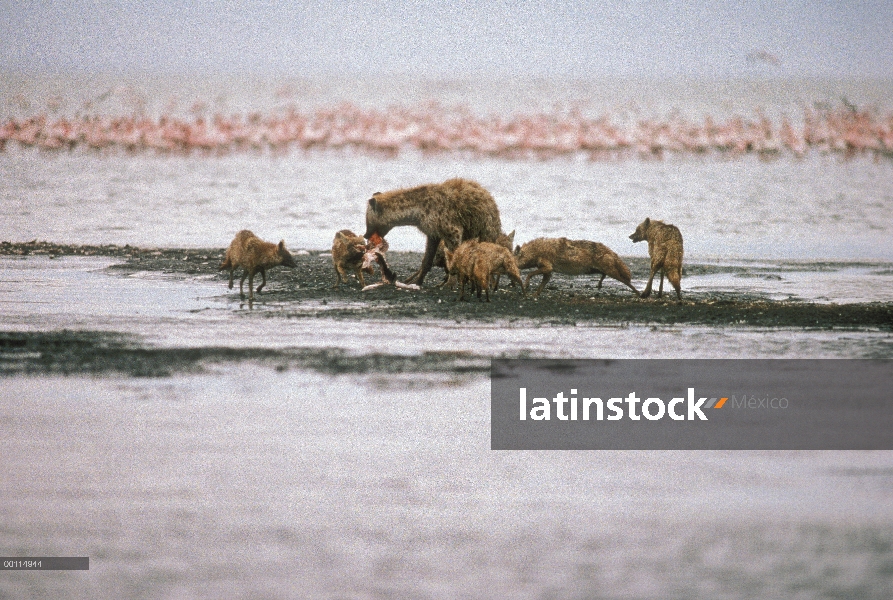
[287, 259]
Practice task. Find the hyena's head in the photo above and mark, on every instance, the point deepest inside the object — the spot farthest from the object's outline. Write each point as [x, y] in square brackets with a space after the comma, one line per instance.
[376, 218]
[641, 232]
[286, 258]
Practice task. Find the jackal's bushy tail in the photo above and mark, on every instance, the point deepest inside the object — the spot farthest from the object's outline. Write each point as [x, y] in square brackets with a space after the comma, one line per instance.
[621, 271]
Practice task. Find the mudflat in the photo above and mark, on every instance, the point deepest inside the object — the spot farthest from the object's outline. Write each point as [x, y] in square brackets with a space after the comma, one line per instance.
[305, 292]
[566, 300]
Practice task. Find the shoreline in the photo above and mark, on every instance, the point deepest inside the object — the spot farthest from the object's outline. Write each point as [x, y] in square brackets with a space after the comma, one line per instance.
[306, 292]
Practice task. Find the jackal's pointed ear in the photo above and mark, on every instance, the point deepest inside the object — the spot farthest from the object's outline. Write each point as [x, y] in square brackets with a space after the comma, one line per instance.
[511, 237]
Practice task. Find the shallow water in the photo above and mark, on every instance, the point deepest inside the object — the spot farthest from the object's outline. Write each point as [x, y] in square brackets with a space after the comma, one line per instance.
[820, 208]
[248, 482]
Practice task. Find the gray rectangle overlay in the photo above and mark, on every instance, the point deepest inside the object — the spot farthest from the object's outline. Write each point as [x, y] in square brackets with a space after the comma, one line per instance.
[691, 404]
[45, 563]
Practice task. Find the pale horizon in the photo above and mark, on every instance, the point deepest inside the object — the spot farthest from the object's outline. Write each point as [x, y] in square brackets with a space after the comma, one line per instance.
[453, 40]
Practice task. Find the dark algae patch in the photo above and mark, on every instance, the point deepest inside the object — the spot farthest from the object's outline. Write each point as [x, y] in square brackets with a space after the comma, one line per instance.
[306, 292]
[101, 353]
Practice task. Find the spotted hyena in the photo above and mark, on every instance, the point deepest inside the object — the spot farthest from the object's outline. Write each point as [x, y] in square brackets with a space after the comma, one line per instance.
[453, 211]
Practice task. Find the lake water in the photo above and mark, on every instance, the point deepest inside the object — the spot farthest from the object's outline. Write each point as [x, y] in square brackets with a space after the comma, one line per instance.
[249, 482]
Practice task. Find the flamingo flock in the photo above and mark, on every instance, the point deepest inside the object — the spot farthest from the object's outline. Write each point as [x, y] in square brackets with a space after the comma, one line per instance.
[432, 128]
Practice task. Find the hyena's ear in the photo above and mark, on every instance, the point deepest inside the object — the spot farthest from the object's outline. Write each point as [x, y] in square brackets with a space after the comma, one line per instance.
[281, 245]
[647, 221]
[373, 204]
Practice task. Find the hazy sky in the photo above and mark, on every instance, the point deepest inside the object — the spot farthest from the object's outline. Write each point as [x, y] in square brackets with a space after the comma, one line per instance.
[452, 38]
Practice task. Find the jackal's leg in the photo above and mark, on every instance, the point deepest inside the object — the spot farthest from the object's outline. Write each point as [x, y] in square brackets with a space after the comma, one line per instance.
[539, 271]
[242, 282]
[516, 282]
[430, 250]
[547, 275]
[447, 278]
[263, 272]
[483, 285]
[250, 285]
[360, 277]
[461, 288]
[675, 278]
[337, 278]
[647, 291]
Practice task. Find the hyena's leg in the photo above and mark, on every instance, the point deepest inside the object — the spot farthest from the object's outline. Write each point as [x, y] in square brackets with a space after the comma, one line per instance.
[599, 286]
[231, 271]
[430, 250]
[263, 272]
[660, 289]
